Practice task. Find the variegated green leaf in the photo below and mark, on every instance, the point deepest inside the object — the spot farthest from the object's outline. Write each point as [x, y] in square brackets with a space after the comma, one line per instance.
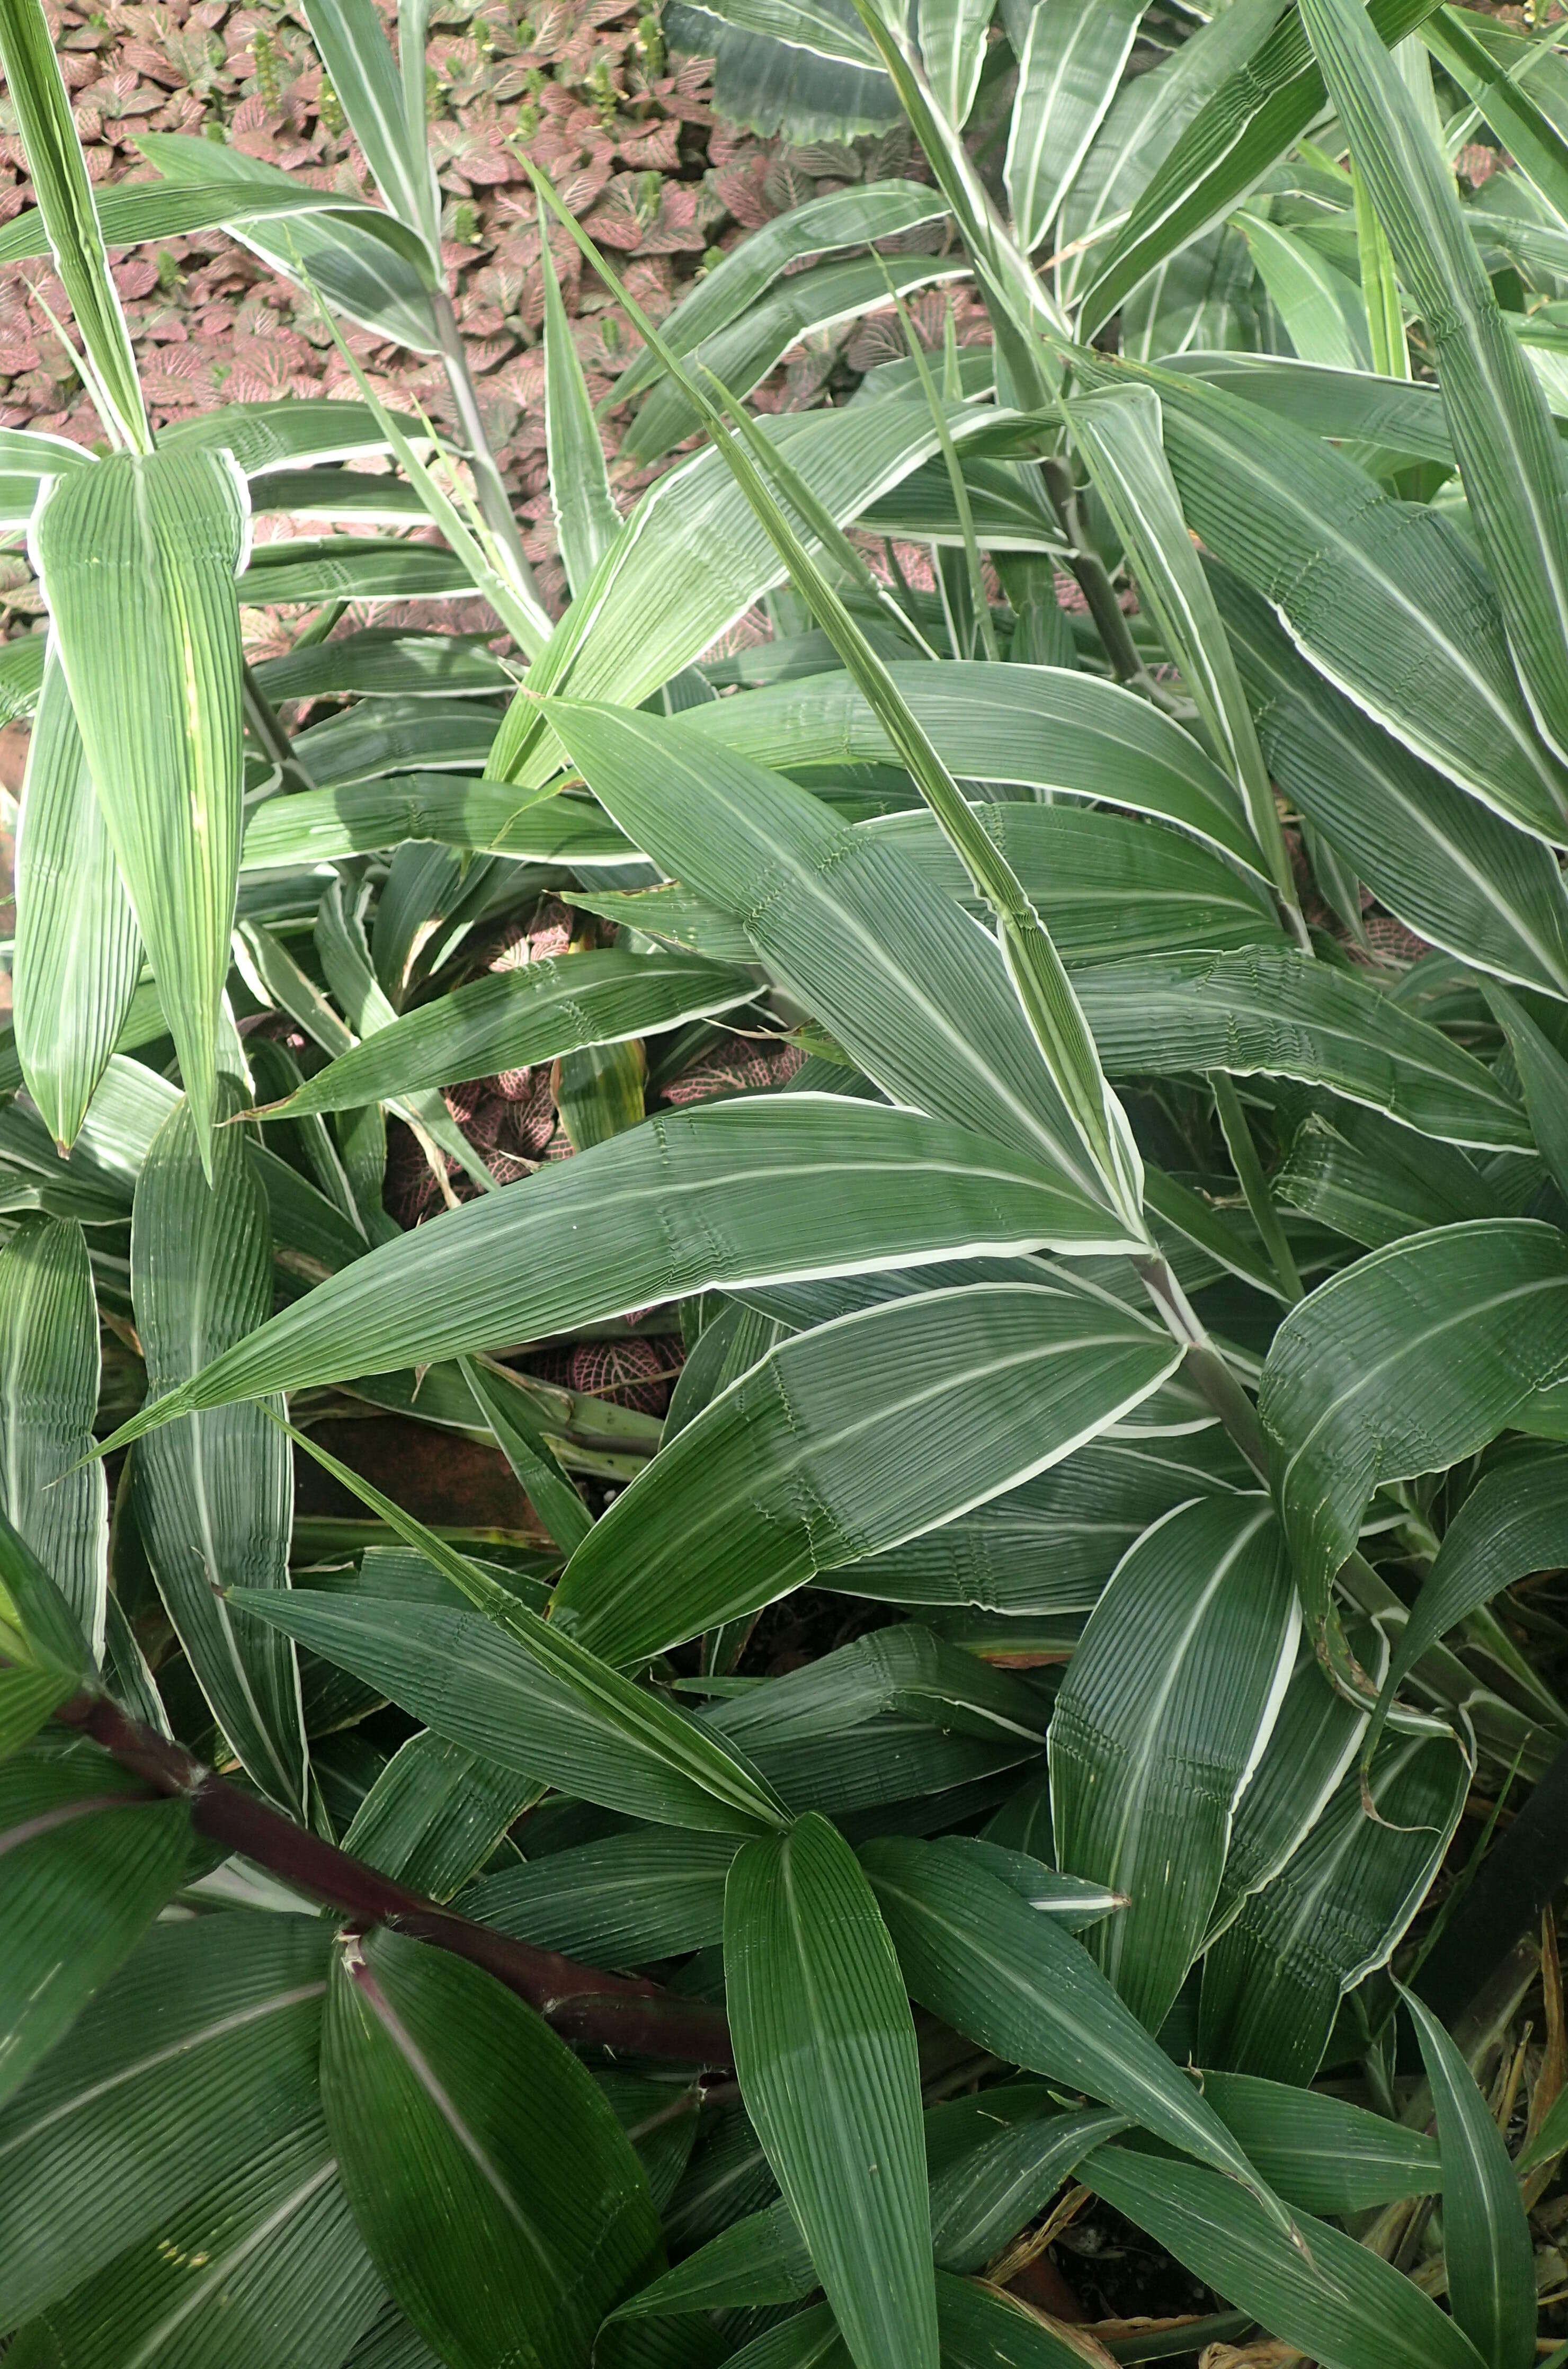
[78, 954]
[138, 559]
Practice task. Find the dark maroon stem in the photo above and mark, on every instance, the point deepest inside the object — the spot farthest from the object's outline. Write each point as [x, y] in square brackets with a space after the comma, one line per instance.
[602, 2010]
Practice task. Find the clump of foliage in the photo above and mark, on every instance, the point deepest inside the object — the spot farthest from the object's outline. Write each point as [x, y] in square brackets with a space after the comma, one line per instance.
[1005, 1818]
[588, 90]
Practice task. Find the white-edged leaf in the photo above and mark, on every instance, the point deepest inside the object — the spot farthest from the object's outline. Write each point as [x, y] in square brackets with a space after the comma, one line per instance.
[49, 1398]
[1514, 477]
[953, 50]
[138, 559]
[78, 954]
[1386, 599]
[693, 558]
[1118, 435]
[351, 40]
[1277, 1011]
[470, 1673]
[1046, 728]
[42, 105]
[1167, 1706]
[919, 995]
[802, 1185]
[510, 1020]
[214, 1494]
[361, 260]
[825, 2047]
[587, 521]
[1342, 1903]
[1415, 1356]
[849, 1438]
[975, 1953]
[1515, 1521]
[1072, 62]
[1461, 876]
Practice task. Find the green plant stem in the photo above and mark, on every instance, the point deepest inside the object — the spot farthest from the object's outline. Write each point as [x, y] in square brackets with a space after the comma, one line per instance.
[1092, 580]
[328, 616]
[960, 491]
[1208, 1369]
[1253, 1182]
[582, 2004]
[494, 507]
[262, 719]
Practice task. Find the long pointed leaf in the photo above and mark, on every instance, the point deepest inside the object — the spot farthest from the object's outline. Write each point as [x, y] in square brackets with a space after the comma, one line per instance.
[587, 519]
[720, 823]
[1035, 728]
[362, 261]
[847, 1439]
[977, 1955]
[1403, 1363]
[1459, 875]
[519, 1435]
[1072, 62]
[1034, 968]
[1147, 118]
[825, 2047]
[49, 1396]
[796, 1186]
[436, 1814]
[65, 192]
[1515, 482]
[138, 559]
[214, 1494]
[1349, 2308]
[1256, 114]
[78, 954]
[500, 2198]
[648, 1751]
[694, 559]
[953, 49]
[1308, 1752]
[1277, 1011]
[45, 1655]
[848, 217]
[1496, 86]
[474, 1681]
[1386, 599]
[1515, 1521]
[513, 1019]
[1487, 2247]
[1118, 435]
[1339, 1907]
[1322, 2152]
[354, 48]
[1151, 1746]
